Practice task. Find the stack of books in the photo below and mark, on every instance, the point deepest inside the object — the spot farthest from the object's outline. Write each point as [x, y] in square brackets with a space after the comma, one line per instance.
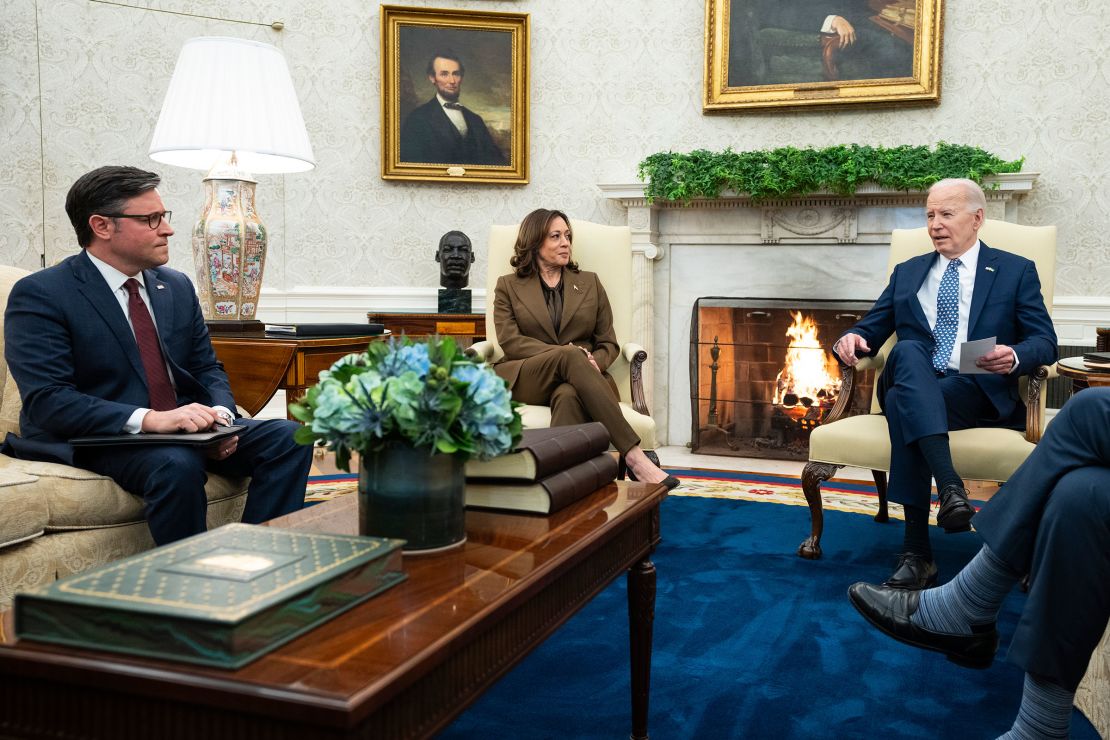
[550, 469]
[1097, 360]
[902, 12]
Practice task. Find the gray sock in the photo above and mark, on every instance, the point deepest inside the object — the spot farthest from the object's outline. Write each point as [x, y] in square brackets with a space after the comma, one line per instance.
[1045, 712]
[971, 598]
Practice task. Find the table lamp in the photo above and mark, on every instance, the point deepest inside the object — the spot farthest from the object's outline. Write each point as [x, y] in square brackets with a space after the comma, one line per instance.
[231, 110]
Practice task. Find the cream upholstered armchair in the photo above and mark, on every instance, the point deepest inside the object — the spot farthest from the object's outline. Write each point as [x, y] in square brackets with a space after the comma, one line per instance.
[978, 454]
[606, 250]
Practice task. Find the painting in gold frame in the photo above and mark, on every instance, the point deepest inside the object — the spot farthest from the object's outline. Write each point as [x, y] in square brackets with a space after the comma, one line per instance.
[762, 54]
[454, 95]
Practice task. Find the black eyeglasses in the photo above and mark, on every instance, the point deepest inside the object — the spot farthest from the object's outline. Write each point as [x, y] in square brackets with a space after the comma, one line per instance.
[152, 219]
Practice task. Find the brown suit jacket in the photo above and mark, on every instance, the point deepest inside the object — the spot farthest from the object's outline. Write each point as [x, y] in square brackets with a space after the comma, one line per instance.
[524, 326]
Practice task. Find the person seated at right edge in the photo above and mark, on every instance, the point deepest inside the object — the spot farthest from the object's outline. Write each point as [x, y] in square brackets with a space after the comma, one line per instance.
[1050, 522]
[965, 290]
[555, 325]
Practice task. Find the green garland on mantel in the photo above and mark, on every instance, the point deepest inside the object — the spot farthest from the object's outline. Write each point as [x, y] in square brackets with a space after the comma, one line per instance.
[788, 171]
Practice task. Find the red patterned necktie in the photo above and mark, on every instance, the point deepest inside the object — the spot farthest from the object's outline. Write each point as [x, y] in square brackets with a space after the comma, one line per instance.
[162, 395]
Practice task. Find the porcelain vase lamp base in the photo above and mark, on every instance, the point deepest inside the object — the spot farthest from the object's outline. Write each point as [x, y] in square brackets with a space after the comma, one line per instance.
[229, 247]
[410, 494]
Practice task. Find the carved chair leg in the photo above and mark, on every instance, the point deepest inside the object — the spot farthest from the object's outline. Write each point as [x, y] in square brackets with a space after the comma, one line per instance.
[813, 475]
[880, 485]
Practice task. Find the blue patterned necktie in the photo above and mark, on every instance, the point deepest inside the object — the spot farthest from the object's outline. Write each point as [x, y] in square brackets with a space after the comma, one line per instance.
[948, 316]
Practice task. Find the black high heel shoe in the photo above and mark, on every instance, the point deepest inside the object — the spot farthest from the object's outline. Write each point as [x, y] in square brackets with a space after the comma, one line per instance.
[670, 481]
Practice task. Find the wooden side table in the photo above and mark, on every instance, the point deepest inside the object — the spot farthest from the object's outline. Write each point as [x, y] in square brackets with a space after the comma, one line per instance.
[1081, 375]
[466, 328]
[259, 365]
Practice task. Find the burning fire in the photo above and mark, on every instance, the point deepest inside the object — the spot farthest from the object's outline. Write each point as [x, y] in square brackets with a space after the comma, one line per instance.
[810, 376]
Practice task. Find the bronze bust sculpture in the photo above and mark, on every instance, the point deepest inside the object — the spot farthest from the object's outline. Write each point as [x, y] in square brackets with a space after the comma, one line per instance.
[455, 256]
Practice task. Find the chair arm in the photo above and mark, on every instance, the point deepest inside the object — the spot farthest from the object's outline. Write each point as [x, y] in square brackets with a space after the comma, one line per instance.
[1034, 417]
[485, 351]
[633, 352]
[848, 384]
[847, 390]
[871, 363]
[636, 355]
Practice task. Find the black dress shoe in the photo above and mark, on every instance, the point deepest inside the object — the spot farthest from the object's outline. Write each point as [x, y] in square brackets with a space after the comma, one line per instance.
[913, 573]
[955, 510]
[890, 610]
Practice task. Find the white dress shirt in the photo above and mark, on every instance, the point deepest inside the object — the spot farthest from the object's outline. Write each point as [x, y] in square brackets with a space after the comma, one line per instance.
[927, 295]
[454, 114]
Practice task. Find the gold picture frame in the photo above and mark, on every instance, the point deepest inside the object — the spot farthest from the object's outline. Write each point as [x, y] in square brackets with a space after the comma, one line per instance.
[468, 120]
[762, 54]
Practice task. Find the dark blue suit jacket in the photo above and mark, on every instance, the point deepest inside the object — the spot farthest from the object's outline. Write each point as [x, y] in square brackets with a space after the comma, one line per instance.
[1006, 303]
[74, 357]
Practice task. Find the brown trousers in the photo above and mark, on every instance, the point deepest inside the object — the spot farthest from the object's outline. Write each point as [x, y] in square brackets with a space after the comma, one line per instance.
[564, 379]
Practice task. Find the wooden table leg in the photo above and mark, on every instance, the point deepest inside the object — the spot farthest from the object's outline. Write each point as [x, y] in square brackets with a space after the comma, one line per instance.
[641, 620]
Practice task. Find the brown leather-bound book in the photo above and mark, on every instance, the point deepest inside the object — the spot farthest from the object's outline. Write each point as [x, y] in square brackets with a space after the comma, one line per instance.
[546, 495]
[542, 452]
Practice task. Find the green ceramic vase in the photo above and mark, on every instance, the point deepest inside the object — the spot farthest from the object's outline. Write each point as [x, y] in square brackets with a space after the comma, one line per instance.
[411, 494]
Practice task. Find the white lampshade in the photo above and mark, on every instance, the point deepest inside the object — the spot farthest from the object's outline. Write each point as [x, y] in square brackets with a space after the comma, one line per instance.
[232, 95]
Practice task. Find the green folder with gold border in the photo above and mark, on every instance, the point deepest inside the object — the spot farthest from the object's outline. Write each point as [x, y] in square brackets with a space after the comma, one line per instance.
[222, 598]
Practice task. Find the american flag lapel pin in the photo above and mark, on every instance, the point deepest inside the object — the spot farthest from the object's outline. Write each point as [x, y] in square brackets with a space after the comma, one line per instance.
[576, 286]
[160, 287]
[989, 269]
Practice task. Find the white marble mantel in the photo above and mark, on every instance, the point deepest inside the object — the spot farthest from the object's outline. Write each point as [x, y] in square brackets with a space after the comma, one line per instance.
[821, 245]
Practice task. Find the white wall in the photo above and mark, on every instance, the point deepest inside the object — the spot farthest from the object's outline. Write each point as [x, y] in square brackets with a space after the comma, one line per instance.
[81, 83]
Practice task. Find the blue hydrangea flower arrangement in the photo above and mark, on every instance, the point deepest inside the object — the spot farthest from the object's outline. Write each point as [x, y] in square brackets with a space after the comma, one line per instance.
[428, 394]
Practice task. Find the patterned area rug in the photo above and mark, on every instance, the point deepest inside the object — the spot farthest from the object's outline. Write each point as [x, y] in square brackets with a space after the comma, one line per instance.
[838, 495]
[323, 488]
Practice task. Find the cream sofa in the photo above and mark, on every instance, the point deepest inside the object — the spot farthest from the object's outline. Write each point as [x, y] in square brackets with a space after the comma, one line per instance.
[57, 520]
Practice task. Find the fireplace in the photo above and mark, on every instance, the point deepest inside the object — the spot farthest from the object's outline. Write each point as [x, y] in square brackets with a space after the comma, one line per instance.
[761, 376]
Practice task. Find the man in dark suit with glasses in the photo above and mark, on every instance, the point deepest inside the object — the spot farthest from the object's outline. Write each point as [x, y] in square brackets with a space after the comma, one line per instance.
[110, 341]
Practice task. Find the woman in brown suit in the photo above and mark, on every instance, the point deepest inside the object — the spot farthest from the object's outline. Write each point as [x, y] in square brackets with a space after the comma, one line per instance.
[555, 325]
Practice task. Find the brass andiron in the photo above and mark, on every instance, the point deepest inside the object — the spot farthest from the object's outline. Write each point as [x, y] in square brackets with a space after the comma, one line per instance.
[713, 422]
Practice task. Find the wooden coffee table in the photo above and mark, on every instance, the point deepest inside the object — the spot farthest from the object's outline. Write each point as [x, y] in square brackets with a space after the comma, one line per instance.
[401, 665]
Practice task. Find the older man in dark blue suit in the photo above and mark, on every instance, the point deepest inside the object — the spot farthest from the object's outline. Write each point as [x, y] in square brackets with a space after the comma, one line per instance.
[963, 291]
[111, 341]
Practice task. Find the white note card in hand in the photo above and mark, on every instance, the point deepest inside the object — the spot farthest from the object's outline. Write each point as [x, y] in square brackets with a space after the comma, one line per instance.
[972, 351]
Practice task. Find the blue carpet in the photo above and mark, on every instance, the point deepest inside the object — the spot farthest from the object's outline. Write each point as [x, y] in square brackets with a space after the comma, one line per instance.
[752, 641]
